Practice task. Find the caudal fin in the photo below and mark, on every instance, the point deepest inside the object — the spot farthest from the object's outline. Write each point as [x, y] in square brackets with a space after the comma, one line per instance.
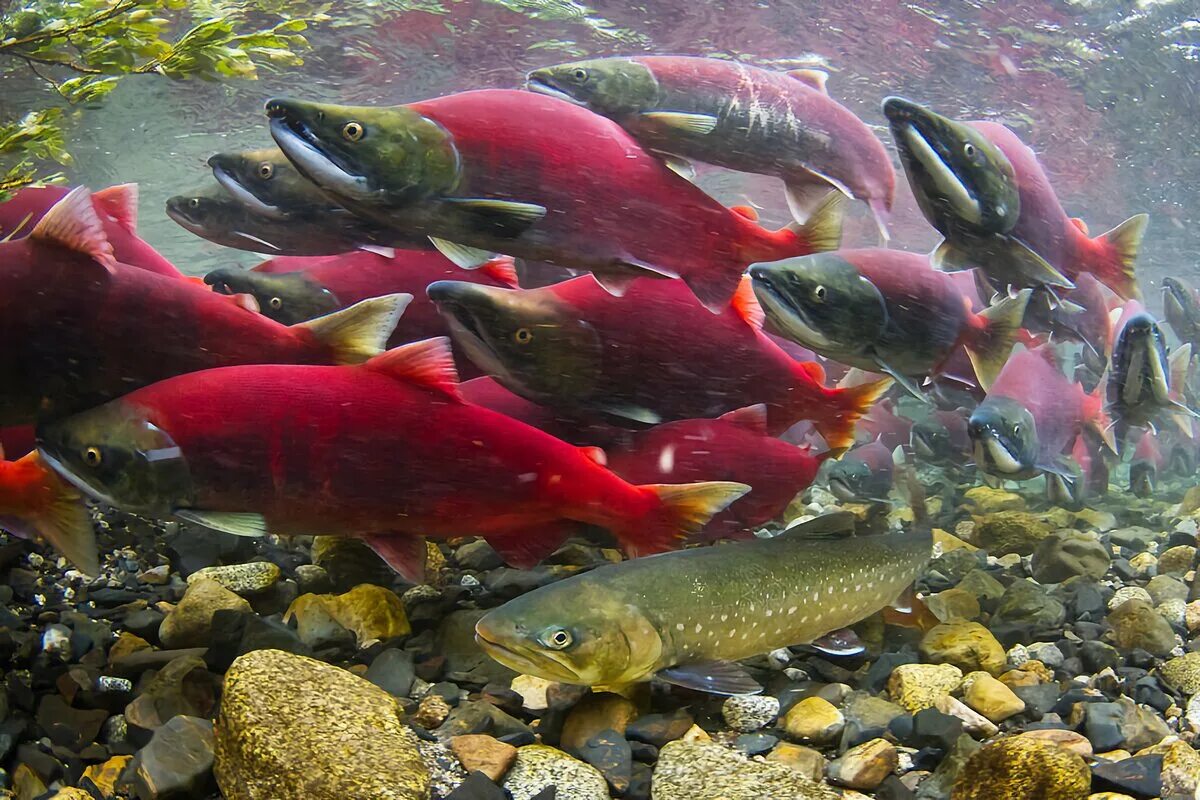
[1124, 242]
[683, 509]
[1002, 327]
[844, 408]
[65, 522]
[361, 331]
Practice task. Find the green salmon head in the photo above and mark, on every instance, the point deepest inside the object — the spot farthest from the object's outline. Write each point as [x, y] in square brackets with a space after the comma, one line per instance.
[527, 339]
[849, 481]
[267, 183]
[216, 216]
[930, 440]
[609, 86]
[115, 454]
[1142, 475]
[956, 173]
[375, 156]
[821, 302]
[287, 297]
[577, 632]
[1005, 438]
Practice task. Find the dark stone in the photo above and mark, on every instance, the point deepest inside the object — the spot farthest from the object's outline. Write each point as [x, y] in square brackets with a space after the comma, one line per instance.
[1124, 570]
[507, 583]
[477, 786]
[1141, 658]
[1148, 691]
[1102, 726]
[193, 548]
[639, 784]
[47, 767]
[519, 738]
[20, 692]
[755, 744]
[893, 788]
[478, 556]
[1089, 630]
[1071, 697]
[447, 691]
[429, 668]
[183, 687]
[393, 671]
[502, 697]
[86, 634]
[144, 623]
[236, 633]
[938, 785]
[901, 727]
[828, 671]
[177, 762]
[69, 727]
[608, 752]
[1098, 655]
[8, 619]
[1178, 538]
[881, 669]
[658, 729]
[932, 728]
[549, 793]
[476, 716]
[112, 597]
[563, 696]
[1071, 666]
[1139, 775]
[1039, 700]
[645, 753]
[1087, 603]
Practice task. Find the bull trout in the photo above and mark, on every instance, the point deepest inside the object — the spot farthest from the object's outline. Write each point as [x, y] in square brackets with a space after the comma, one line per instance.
[686, 616]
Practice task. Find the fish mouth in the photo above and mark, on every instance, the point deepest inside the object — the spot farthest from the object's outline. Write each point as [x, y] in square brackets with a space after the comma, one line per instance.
[75, 479]
[311, 157]
[244, 196]
[466, 330]
[539, 85]
[993, 455]
[842, 491]
[1062, 491]
[789, 316]
[945, 180]
[921, 446]
[523, 661]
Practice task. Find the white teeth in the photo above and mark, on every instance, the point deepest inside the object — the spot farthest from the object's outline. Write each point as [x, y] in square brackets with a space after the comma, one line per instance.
[246, 197]
[943, 177]
[1001, 458]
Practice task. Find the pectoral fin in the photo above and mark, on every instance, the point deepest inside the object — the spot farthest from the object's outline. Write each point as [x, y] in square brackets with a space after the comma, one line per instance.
[844, 642]
[237, 523]
[905, 381]
[463, 256]
[506, 218]
[714, 677]
[699, 124]
[640, 414]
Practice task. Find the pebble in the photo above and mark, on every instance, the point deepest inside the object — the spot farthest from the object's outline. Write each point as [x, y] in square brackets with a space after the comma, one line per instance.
[1071, 740]
[813, 719]
[1137, 626]
[1177, 560]
[483, 753]
[190, 623]
[1019, 767]
[967, 645]
[705, 770]
[990, 697]
[864, 766]
[805, 760]
[177, 762]
[252, 578]
[1126, 593]
[1183, 673]
[973, 722]
[1162, 588]
[1047, 653]
[1004, 532]
[748, 713]
[1065, 554]
[918, 686]
[537, 766]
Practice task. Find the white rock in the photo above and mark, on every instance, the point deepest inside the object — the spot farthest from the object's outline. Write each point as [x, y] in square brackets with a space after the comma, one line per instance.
[1047, 653]
[532, 690]
[749, 712]
[1127, 593]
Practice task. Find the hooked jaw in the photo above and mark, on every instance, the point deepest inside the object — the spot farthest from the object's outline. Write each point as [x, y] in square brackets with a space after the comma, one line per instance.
[540, 81]
[227, 177]
[501, 639]
[787, 315]
[314, 158]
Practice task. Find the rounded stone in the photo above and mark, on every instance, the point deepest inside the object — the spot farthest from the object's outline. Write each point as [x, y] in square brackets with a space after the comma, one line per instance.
[700, 770]
[243, 579]
[1126, 593]
[1067, 553]
[293, 728]
[1021, 767]
[918, 686]
[1162, 588]
[1007, 532]
[967, 645]
[1183, 673]
[190, 624]
[1177, 560]
[747, 713]
[1136, 625]
[813, 719]
[990, 697]
[538, 766]
[864, 766]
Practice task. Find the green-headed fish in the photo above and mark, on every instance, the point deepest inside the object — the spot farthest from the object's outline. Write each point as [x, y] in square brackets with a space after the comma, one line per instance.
[685, 617]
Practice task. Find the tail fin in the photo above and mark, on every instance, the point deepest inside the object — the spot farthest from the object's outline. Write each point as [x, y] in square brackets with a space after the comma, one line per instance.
[64, 522]
[823, 229]
[1124, 241]
[1002, 327]
[1097, 418]
[846, 406]
[361, 331]
[683, 509]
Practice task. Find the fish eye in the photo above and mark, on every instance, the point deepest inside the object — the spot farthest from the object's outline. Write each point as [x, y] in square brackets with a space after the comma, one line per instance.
[819, 293]
[523, 336]
[557, 638]
[265, 170]
[92, 456]
[353, 131]
[1017, 429]
[969, 150]
[275, 303]
[194, 202]
[579, 74]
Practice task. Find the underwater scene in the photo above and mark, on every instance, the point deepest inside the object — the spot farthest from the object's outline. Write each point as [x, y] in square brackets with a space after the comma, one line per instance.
[562, 400]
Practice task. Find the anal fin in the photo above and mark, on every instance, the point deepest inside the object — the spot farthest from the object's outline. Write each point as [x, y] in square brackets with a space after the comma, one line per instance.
[527, 547]
[404, 553]
[714, 677]
[844, 642]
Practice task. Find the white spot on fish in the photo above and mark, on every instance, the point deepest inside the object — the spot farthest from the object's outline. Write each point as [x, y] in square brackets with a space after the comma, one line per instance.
[699, 627]
[527, 477]
[769, 612]
[791, 610]
[724, 617]
[666, 459]
[679, 626]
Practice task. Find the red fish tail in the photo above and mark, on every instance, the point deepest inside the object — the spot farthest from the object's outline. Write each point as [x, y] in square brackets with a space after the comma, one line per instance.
[52, 510]
[679, 510]
[839, 411]
[1116, 253]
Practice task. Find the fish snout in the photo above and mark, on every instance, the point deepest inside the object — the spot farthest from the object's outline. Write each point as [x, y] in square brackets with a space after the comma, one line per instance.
[228, 280]
[899, 109]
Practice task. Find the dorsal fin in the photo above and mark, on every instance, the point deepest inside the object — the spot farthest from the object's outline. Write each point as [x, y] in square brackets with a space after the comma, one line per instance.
[746, 306]
[428, 363]
[121, 203]
[748, 212]
[1081, 225]
[813, 78]
[595, 455]
[502, 269]
[752, 418]
[72, 223]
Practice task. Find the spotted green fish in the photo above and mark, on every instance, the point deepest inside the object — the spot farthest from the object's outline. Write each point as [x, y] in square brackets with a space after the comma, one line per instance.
[686, 616]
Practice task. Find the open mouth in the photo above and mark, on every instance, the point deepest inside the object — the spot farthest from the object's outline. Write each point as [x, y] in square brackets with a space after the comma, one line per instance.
[304, 149]
[841, 490]
[539, 86]
[999, 456]
[945, 180]
[787, 315]
[922, 446]
[75, 479]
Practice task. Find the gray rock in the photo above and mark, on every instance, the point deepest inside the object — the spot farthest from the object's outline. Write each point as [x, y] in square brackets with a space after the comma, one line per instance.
[478, 555]
[392, 670]
[538, 766]
[1166, 587]
[177, 762]
[748, 713]
[1031, 606]
[1067, 553]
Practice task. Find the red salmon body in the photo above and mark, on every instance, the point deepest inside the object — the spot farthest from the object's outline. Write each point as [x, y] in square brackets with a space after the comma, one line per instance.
[578, 430]
[389, 452]
[85, 328]
[1046, 229]
[116, 207]
[610, 204]
[735, 447]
